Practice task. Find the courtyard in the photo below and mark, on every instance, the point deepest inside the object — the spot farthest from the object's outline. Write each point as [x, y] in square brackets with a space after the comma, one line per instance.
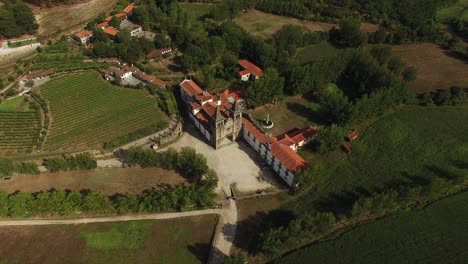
[237, 164]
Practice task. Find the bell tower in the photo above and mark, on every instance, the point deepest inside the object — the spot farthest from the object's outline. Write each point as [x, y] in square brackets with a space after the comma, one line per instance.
[217, 128]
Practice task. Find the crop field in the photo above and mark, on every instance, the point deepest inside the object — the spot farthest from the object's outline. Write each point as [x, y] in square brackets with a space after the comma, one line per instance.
[61, 18]
[111, 181]
[411, 145]
[436, 68]
[87, 111]
[435, 234]
[19, 127]
[315, 52]
[181, 240]
[264, 24]
[195, 10]
[458, 9]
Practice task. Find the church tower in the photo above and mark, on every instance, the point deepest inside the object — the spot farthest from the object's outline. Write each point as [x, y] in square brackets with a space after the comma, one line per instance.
[237, 118]
[217, 128]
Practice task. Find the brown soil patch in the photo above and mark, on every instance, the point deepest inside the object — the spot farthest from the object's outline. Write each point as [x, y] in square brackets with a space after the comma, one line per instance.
[60, 19]
[108, 180]
[181, 240]
[264, 24]
[437, 68]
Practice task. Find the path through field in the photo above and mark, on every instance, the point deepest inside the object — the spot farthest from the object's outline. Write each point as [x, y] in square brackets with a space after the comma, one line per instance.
[222, 242]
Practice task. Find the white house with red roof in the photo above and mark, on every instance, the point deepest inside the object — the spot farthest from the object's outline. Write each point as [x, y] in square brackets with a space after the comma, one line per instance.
[279, 152]
[249, 70]
[83, 36]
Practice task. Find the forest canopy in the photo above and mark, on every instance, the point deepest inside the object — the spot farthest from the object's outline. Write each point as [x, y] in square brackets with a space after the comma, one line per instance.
[16, 19]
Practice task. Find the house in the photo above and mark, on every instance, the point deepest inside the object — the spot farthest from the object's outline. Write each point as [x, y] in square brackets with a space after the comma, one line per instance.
[83, 36]
[127, 10]
[103, 25]
[146, 78]
[279, 152]
[250, 71]
[36, 75]
[158, 53]
[353, 135]
[111, 31]
[218, 117]
[346, 147]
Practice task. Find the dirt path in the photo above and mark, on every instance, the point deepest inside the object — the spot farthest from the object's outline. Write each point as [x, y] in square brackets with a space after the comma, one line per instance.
[223, 238]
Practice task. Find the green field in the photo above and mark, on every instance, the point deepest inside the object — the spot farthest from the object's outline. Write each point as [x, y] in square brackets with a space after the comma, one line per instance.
[458, 9]
[22, 43]
[195, 10]
[87, 111]
[315, 52]
[182, 240]
[19, 127]
[435, 234]
[410, 146]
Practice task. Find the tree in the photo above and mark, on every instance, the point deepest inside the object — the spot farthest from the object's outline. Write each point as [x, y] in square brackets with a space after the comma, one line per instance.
[336, 107]
[330, 138]
[265, 90]
[97, 202]
[349, 34]
[409, 74]
[381, 53]
[19, 205]
[395, 65]
[115, 22]
[191, 164]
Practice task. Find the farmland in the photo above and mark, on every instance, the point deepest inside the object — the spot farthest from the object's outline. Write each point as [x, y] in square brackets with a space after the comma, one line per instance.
[19, 127]
[436, 68]
[315, 52]
[87, 112]
[195, 10]
[61, 18]
[405, 147]
[263, 24]
[108, 180]
[182, 240]
[435, 234]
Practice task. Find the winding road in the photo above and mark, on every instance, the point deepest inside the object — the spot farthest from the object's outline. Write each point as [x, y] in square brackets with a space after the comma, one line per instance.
[223, 237]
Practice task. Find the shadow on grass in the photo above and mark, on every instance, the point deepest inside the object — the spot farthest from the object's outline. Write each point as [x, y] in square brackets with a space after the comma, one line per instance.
[312, 115]
[200, 250]
[249, 230]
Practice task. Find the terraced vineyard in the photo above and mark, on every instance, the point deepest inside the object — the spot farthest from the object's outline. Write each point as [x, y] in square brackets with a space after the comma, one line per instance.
[19, 128]
[87, 112]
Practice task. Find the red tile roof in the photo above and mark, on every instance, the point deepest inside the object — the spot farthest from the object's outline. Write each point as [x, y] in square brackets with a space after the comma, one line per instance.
[120, 15]
[249, 67]
[150, 78]
[109, 18]
[111, 31]
[83, 34]
[103, 24]
[353, 135]
[157, 53]
[191, 88]
[346, 147]
[288, 157]
[254, 130]
[129, 8]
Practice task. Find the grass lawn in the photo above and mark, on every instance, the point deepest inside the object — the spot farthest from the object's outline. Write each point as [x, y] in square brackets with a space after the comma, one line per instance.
[264, 24]
[109, 180]
[15, 105]
[292, 112]
[412, 145]
[195, 10]
[437, 69]
[19, 127]
[315, 52]
[21, 43]
[182, 240]
[87, 111]
[435, 234]
[458, 9]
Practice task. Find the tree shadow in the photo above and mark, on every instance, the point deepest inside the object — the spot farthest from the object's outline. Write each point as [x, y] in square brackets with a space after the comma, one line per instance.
[456, 55]
[229, 231]
[312, 115]
[340, 203]
[249, 231]
[201, 251]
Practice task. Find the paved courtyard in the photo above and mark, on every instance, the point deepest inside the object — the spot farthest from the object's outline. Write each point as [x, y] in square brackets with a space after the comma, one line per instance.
[236, 163]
